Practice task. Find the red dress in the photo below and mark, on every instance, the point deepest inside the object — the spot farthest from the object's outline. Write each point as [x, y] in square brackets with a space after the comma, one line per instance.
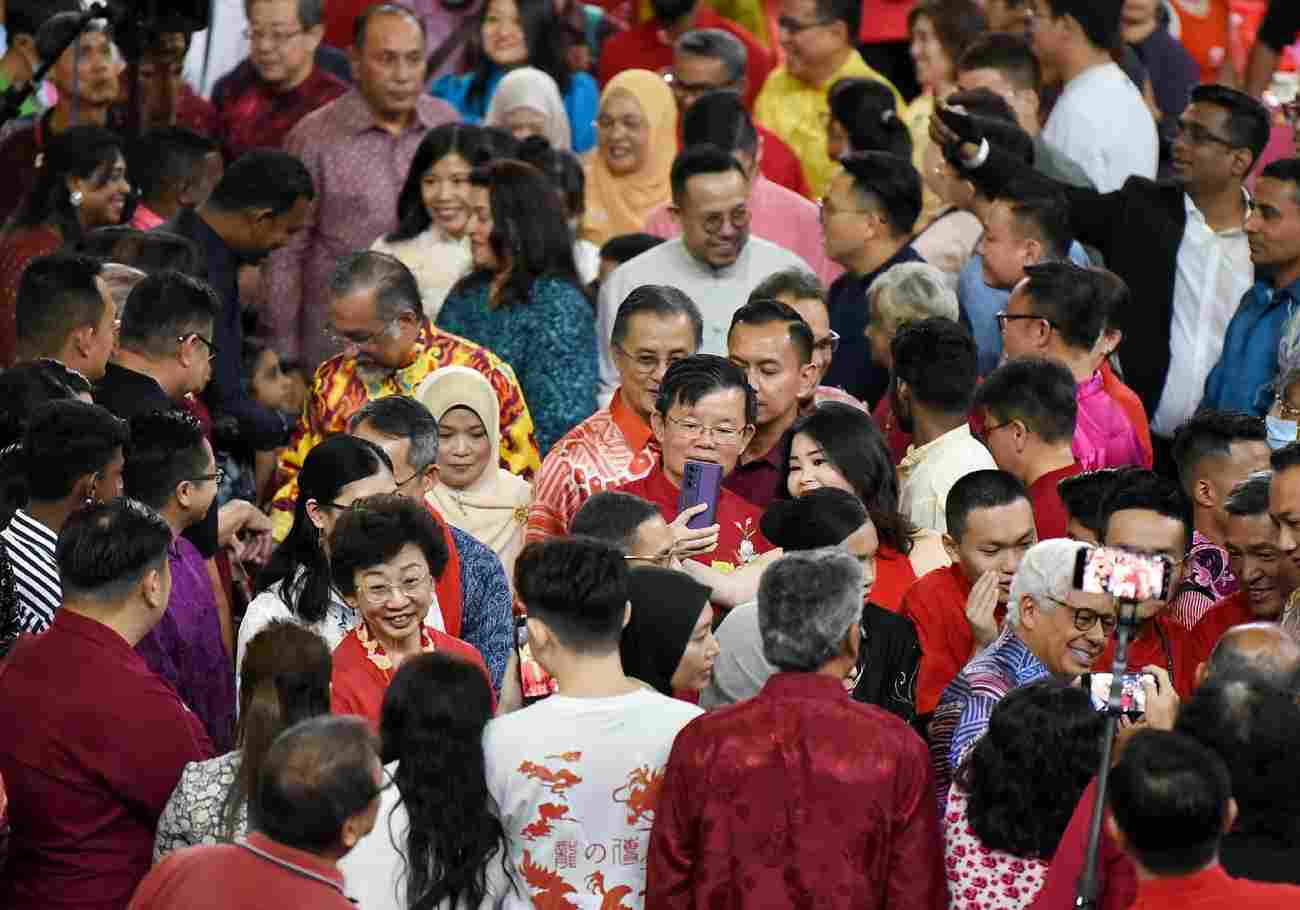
[17, 248]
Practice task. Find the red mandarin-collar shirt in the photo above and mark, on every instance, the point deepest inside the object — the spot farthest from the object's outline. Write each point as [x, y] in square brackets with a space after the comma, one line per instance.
[92, 743]
[1233, 610]
[1162, 643]
[1213, 889]
[1050, 516]
[798, 797]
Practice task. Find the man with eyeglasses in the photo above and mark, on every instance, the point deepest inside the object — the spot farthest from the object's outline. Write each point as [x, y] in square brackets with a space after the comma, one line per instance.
[1052, 629]
[655, 327]
[389, 347]
[279, 83]
[630, 523]
[818, 38]
[705, 411]
[1179, 245]
[715, 262]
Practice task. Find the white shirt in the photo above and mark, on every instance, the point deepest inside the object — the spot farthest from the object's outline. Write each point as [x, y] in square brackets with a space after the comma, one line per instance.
[1102, 123]
[926, 474]
[575, 781]
[717, 292]
[1213, 273]
[229, 47]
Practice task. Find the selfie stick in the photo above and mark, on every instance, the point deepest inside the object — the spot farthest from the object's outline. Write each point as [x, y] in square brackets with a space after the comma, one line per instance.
[1086, 895]
[11, 100]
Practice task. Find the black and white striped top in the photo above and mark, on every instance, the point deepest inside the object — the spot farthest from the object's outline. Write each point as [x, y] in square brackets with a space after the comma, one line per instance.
[36, 574]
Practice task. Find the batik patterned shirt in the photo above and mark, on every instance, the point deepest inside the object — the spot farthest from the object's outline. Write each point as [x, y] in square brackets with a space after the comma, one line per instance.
[1207, 579]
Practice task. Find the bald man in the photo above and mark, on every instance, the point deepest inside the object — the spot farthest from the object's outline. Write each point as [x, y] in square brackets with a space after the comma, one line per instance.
[1262, 648]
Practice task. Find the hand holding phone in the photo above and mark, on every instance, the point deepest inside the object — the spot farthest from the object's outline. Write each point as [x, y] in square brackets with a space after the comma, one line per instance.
[701, 483]
[1133, 701]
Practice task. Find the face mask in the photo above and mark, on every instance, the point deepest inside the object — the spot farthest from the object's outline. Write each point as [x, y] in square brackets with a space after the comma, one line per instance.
[1280, 432]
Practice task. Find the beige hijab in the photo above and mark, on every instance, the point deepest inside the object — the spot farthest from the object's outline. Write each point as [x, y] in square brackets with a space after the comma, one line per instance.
[493, 509]
[535, 90]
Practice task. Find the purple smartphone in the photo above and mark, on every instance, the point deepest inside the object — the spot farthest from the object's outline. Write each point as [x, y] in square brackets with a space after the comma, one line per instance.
[701, 482]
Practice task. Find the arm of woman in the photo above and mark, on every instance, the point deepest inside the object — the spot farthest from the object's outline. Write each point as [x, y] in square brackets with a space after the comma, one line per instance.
[559, 375]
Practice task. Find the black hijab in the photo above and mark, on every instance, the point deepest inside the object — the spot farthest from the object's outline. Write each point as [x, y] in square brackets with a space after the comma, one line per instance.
[666, 605]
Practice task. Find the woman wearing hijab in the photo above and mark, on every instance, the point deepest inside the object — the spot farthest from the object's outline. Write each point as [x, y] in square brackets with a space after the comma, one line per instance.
[889, 655]
[636, 140]
[528, 103]
[473, 493]
[668, 643]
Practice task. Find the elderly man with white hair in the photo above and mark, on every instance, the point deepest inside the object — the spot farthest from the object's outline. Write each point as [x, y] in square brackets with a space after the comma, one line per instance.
[1051, 629]
[803, 759]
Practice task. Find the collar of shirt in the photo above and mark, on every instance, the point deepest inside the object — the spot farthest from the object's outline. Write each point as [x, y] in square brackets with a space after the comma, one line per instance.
[772, 458]
[292, 860]
[90, 630]
[1173, 892]
[377, 373]
[355, 117]
[917, 455]
[636, 431]
[702, 268]
[1195, 214]
[803, 685]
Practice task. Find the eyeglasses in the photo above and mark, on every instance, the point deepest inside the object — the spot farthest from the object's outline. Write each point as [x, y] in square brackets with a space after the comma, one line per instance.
[664, 560]
[722, 436]
[207, 343]
[607, 123]
[829, 343]
[985, 432]
[1085, 619]
[353, 339]
[376, 595]
[219, 475]
[739, 218]
[275, 39]
[646, 364]
[1199, 135]
[698, 88]
[402, 483]
[793, 26]
[1004, 317]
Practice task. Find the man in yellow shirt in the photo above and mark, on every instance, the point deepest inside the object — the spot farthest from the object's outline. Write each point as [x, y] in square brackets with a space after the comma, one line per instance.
[817, 38]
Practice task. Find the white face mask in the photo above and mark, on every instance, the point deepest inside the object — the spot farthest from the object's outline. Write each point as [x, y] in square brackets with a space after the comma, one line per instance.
[1280, 432]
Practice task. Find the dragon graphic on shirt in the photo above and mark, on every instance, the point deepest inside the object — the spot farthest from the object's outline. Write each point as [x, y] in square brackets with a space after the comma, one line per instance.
[641, 794]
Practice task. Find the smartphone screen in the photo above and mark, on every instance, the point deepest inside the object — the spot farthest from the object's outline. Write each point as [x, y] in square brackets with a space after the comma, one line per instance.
[1121, 574]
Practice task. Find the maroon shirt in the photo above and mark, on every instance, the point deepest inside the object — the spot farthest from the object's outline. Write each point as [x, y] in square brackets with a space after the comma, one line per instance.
[758, 481]
[18, 152]
[252, 116]
[1050, 516]
[92, 744]
[802, 795]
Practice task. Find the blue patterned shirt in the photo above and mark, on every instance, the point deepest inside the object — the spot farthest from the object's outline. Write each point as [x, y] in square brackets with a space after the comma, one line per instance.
[964, 708]
[487, 617]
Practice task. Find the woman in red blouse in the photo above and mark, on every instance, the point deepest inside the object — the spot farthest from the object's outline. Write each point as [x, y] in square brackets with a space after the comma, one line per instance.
[80, 185]
[386, 555]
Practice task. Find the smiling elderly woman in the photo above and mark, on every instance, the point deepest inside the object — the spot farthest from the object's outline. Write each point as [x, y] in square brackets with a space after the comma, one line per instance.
[385, 557]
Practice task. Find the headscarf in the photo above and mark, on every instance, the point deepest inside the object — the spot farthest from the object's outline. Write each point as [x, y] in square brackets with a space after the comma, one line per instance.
[493, 508]
[620, 205]
[531, 88]
[666, 605]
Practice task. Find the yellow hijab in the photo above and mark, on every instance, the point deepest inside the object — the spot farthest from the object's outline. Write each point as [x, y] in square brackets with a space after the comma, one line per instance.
[620, 204]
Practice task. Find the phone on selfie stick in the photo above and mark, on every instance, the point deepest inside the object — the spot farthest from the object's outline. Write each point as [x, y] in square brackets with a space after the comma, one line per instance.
[1130, 578]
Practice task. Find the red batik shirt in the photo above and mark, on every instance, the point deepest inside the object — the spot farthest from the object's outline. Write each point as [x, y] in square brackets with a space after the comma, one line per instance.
[252, 116]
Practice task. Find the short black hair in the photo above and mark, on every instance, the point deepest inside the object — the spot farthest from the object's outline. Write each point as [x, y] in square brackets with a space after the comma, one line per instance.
[263, 179]
[395, 287]
[693, 161]
[889, 182]
[57, 295]
[1068, 297]
[148, 251]
[402, 417]
[983, 102]
[938, 359]
[626, 247]
[65, 441]
[980, 490]
[166, 448]
[1040, 209]
[1038, 392]
[317, 774]
[847, 11]
[1083, 495]
[1099, 19]
[795, 282]
[660, 300]
[105, 549]
[1139, 488]
[691, 378]
[612, 517]
[1010, 55]
[578, 587]
[716, 44]
[1250, 496]
[1286, 457]
[868, 112]
[1114, 296]
[166, 158]
[1249, 125]
[375, 529]
[1169, 795]
[1286, 170]
[1212, 433]
[561, 167]
[162, 309]
[720, 119]
[766, 312]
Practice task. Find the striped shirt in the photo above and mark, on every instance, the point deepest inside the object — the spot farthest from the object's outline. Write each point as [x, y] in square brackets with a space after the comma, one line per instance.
[36, 574]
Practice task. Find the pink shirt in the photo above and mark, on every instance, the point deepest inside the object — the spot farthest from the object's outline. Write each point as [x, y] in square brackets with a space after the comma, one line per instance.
[1103, 434]
[780, 216]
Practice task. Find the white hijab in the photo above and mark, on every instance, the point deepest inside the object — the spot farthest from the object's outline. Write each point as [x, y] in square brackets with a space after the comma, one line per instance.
[535, 90]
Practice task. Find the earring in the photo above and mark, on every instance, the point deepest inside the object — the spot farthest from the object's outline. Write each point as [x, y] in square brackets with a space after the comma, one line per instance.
[76, 198]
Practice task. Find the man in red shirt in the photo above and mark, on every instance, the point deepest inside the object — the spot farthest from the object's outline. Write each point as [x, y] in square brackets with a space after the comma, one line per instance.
[958, 610]
[92, 742]
[1171, 802]
[317, 795]
[1028, 407]
[649, 46]
[705, 412]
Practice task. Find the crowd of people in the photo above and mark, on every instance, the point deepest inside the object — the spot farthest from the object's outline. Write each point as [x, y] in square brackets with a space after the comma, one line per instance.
[542, 453]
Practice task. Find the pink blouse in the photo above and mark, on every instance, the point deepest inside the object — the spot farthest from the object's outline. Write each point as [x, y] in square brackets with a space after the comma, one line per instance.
[980, 878]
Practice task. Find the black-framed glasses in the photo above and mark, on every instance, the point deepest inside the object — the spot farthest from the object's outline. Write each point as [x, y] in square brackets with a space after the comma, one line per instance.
[207, 343]
[986, 431]
[663, 559]
[218, 475]
[1085, 619]
[273, 38]
[721, 436]
[793, 26]
[646, 364]
[830, 342]
[1199, 135]
[1004, 317]
[402, 483]
[739, 218]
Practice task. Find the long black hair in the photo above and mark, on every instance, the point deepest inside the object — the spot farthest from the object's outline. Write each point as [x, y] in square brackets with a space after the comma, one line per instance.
[432, 724]
[530, 232]
[464, 139]
[23, 389]
[328, 468]
[545, 37]
[854, 445]
[82, 151]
